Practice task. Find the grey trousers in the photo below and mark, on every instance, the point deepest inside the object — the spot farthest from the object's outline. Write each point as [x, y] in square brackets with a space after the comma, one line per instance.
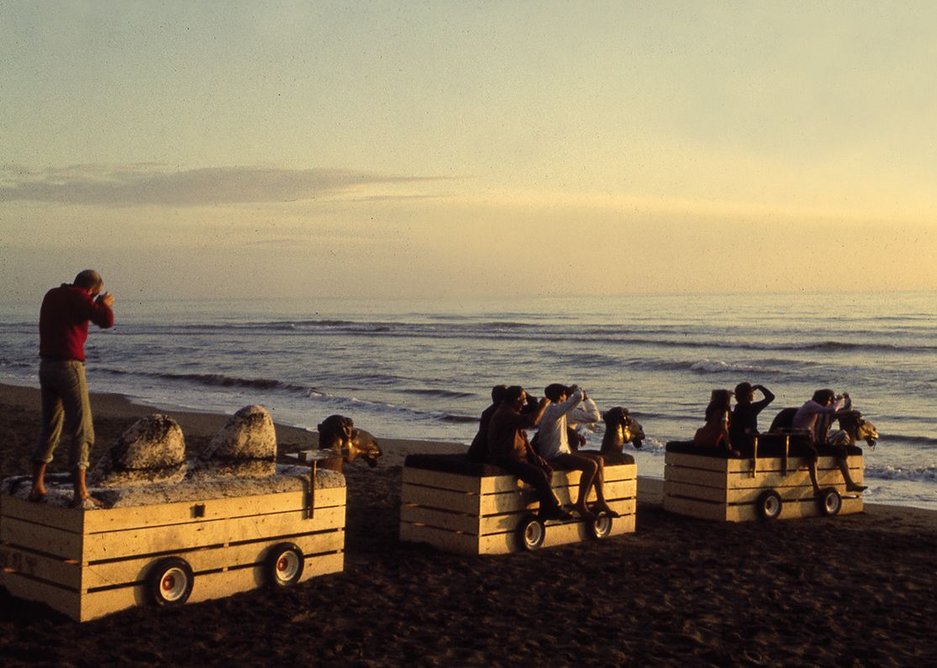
[65, 400]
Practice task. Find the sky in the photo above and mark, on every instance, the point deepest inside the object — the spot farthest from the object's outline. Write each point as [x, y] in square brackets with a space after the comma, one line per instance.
[461, 149]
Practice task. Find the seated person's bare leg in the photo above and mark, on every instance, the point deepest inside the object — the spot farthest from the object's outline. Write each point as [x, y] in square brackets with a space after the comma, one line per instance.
[851, 486]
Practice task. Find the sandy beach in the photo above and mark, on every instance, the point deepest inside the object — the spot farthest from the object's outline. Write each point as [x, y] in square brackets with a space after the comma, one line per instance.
[852, 590]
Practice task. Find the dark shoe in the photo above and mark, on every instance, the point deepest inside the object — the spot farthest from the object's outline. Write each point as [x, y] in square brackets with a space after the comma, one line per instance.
[856, 488]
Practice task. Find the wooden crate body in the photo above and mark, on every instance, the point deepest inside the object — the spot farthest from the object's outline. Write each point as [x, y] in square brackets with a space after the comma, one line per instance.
[89, 563]
[470, 514]
[728, 489]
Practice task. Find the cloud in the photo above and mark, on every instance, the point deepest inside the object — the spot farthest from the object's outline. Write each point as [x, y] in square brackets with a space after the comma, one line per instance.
[152, 184]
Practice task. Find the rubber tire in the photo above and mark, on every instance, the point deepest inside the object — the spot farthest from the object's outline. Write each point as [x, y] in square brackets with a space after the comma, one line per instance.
[169, 582]
[769, 505]
[530, 533]
[830, 502]
[283, 565]
[602, 526]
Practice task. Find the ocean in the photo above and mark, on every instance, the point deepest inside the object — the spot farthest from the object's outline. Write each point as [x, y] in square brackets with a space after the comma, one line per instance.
[424, 369]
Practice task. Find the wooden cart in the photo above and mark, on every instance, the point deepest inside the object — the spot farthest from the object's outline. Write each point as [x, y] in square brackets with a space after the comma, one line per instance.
[766, 488]
[469, 508]
[200, 541]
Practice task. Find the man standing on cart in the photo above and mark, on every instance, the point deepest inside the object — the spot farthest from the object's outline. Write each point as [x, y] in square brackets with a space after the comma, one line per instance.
[63, 330]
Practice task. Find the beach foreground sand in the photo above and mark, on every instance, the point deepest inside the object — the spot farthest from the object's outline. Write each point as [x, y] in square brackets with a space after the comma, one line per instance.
[854, 590]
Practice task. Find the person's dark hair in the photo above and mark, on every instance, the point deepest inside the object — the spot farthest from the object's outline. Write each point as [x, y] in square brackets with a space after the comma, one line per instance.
[720, 401]
[88, 279]
[512, 393]
[554, 391]
[824, 395]
[532, 405]
[497, 393]
[743, 391]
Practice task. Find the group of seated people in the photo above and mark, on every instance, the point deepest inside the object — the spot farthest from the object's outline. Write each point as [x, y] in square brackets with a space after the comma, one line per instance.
[502, 440]
[734, 431]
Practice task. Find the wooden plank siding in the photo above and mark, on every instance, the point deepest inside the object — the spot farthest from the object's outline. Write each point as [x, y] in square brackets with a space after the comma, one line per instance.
[89, 563]
[471, 514]
[727, 489]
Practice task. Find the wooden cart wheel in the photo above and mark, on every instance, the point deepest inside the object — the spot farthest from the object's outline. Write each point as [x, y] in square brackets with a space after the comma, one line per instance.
[169, 582]
[531, 532]
[830, 501]
[283, 565]
[769, 505]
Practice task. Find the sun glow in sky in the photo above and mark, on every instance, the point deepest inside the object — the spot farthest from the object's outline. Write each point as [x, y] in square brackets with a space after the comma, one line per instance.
[449, 149]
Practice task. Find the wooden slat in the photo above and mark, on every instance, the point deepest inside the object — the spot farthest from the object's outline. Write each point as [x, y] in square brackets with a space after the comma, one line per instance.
[49, 540]
[234, 556]
[441, 519]
[496, 504]
[447, 541]
[745, 465]
[65, 519]
[462, 502]
[131, 517]
[75, 577]
[621, 472]
[457, 482]
[65, 573]
[503, 483]
[491, 524]
[744, 495]
[717, 480]
[747, 512]
[136, 517]
[87, 606]
[150, 540]
[556, 534]
[57, 598]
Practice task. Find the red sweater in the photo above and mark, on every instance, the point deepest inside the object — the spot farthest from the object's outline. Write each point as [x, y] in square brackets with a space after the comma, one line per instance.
[63, 322]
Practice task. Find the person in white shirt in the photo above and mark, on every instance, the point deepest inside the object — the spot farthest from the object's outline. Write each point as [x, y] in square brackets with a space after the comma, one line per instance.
[552, 443]
[815, 417]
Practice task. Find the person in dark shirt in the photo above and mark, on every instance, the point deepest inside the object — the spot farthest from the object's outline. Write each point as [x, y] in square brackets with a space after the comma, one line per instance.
[478, 450]
[744, 425]
[509, 448]
[63, 330]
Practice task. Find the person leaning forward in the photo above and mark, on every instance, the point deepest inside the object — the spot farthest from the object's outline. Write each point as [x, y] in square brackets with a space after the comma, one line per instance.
[63, 330]
[509, 448]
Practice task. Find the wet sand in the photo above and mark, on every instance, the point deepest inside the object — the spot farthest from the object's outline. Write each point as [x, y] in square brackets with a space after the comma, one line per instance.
[852, 590]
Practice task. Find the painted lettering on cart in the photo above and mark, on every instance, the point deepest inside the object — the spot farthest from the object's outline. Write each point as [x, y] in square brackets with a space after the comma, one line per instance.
[17, 562]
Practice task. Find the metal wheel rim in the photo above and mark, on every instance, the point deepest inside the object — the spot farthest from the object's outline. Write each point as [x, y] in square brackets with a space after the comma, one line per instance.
[832, 503]
[173, 583]
[533, 534]
[287, 566]
[772, 506]
[602, 526]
